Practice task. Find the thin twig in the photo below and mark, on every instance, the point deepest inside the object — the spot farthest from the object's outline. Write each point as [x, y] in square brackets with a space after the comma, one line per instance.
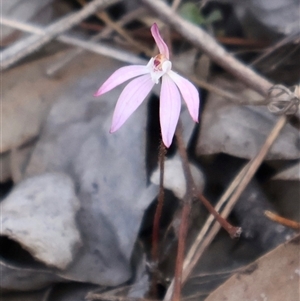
[279, 44]
[208, 44]
[175, 4]
[191, 194]
[32, 43]
[205, 236]
[195, 247]
[256, 162]
[282, 220]
[119, 29]
[210, 220]
[224, 93]
[74, 53]
[102, 49]
[139, 12]
[247, 174]
[123, 33]
[234, 232]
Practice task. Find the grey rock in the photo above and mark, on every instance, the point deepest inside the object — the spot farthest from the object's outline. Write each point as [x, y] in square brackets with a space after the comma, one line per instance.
[40, 215]
[109, 172]
[242, 130]
[174, 179]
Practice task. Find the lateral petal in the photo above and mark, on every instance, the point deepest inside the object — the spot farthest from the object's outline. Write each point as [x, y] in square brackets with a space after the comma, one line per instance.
[130, 99]
[169, 110]
[120, 76]
[189, 93]
[162, 46]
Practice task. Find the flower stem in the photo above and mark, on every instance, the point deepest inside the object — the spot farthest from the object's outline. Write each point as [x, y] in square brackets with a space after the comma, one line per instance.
[184, 225]
[187, 204]
[157, 216]
[192, 194]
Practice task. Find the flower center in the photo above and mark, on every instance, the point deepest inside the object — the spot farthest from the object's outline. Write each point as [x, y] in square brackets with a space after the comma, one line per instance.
[158, 66]
[158, 62]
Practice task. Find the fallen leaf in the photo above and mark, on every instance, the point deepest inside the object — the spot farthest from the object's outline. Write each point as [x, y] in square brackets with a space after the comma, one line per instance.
[275, 276]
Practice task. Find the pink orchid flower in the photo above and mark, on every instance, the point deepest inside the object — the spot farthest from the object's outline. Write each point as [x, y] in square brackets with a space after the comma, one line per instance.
[145, 77]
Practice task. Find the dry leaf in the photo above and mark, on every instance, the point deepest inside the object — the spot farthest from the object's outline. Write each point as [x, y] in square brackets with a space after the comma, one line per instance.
[275, 276]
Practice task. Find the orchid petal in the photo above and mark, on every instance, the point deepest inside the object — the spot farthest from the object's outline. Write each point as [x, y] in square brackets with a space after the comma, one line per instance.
[188, 92]
[170, 104]
[120, 76]
[130, 99]
[162, 46]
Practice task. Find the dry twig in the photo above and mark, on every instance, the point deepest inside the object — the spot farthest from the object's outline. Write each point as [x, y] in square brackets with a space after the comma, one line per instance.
[208, 44]
[90, 46]
[281, 220]
[32, 43]
[119, 29]
[192, 193]
[237, 187]
[74, 53]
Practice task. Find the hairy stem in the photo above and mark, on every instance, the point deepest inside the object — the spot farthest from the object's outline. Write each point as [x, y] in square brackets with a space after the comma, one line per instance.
[187, 204]
[192, 193]
[157, 216]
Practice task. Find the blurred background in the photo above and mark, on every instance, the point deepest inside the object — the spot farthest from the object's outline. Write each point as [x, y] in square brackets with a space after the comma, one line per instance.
[77, 203]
